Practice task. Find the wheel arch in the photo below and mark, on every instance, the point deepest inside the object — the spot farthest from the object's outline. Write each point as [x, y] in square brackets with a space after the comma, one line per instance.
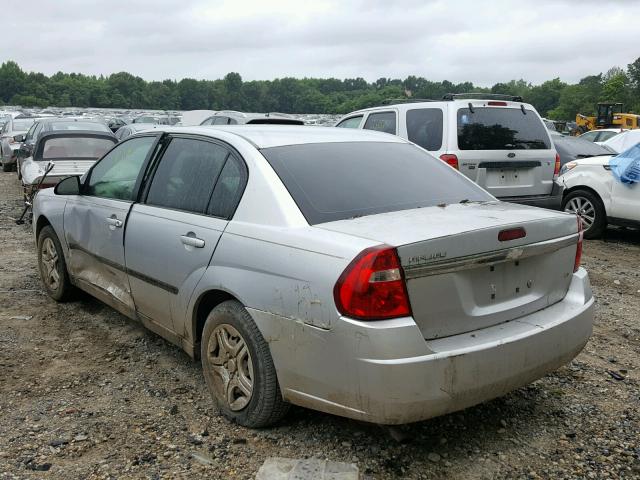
[588, 189]
[206, 302]
[42, 222]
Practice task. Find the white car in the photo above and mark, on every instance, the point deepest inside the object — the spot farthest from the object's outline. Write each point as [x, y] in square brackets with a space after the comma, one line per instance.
[624, 140]
[600, 135]
[592, 192]
[497, 141]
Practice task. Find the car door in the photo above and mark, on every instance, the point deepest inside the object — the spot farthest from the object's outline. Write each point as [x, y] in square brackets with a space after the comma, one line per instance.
[172, 234]
[625, 201]
[94, 222]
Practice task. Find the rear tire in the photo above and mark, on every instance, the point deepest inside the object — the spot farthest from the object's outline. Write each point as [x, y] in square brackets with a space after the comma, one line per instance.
[52, 266]
[6, 167]
[590, 209]
[238, 368]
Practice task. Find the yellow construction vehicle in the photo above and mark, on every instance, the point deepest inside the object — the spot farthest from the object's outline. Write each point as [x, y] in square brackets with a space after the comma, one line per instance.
[610, 115]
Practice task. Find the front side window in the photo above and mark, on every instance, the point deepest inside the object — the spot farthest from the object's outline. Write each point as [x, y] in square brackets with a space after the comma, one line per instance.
[208, 121]
[490, 128]
[186, 175]
[424, 127]
[353, 122]
[221, 121]
[381, 122]
[115, 175]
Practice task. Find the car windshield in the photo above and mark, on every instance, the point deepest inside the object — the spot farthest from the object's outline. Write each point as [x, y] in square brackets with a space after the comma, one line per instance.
[336, 181]
[493, 128]
[571, 148]
[20, 125]
[69, 148]
[95, 126]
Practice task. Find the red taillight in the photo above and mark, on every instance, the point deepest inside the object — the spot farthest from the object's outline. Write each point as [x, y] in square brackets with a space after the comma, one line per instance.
[450, 159]
[372, 286]
[556, 170]
[576, 263]
[42, 186]
[512, 234]
[497, 104]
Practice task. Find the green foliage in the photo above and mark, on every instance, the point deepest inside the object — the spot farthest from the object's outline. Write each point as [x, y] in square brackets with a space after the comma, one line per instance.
[552, 98]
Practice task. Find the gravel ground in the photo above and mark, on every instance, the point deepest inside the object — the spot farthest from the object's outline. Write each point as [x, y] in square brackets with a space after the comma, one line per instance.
[87, 393]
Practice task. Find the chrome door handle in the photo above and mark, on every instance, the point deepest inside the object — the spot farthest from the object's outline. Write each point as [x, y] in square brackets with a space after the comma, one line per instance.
[192, 241]
[114, 222]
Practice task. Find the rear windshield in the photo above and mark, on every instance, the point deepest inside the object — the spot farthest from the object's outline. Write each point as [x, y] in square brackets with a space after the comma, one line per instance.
[75, 147]
[493, 128]
[335, 181]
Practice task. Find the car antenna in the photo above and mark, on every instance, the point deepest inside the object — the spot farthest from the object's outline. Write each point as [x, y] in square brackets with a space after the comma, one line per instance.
[29, 203]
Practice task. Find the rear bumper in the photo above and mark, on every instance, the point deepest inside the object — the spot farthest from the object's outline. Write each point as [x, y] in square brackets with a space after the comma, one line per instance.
[10, 157]
[385, 372]
[552, 201]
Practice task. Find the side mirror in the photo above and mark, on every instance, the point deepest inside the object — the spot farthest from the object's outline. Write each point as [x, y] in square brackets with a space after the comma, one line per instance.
[19, 138]
[68, 186]
[25, 151]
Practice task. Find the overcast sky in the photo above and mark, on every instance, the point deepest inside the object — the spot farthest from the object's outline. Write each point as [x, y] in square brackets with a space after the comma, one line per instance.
[480, 41]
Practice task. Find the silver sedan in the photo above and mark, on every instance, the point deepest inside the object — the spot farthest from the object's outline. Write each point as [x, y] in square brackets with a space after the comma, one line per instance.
[345, 271]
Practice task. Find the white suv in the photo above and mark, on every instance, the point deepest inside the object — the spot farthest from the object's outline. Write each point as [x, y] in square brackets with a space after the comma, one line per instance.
[498, 141]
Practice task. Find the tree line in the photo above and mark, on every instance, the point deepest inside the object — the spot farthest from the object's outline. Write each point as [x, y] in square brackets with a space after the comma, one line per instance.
[554, 98]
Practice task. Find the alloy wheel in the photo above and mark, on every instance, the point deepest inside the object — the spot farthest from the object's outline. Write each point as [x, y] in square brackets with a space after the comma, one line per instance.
[49, 256]
[582, 207]
[231, 366]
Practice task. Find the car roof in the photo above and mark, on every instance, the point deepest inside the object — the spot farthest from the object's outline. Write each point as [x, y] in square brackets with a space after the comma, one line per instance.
[476, 102]
[266, 136]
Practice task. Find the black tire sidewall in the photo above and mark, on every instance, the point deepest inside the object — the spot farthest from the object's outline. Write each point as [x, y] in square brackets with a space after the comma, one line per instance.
[600, 222]
[234, 314]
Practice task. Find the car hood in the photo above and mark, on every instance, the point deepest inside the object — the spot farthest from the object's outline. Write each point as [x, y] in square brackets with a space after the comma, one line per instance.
[599, 160]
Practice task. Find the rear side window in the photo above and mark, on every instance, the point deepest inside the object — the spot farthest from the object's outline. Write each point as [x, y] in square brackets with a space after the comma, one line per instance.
[336, 181]
[381, 122]
[603, 136]
[489, 128]
[424, 127]
[228, 189]
[353, 122]
[186, 175]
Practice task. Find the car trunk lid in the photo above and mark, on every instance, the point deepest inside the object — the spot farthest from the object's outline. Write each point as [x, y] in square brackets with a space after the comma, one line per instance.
[460, 277]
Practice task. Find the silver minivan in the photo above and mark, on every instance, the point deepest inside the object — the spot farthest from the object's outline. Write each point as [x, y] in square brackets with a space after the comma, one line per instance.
[497, 141]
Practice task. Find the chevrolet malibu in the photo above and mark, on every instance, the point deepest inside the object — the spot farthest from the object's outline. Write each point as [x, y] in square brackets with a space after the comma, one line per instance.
[345, 271]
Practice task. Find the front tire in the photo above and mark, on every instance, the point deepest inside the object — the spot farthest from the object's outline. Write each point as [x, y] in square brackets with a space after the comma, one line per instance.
[52, 266]
[590, 209]
[238, 368]
[6, 167]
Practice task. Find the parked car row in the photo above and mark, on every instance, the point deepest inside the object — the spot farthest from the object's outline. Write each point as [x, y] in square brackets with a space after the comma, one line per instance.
[377, 250]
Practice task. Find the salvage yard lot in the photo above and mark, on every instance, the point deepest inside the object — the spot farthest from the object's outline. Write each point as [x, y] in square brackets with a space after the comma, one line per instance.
[87, 393]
